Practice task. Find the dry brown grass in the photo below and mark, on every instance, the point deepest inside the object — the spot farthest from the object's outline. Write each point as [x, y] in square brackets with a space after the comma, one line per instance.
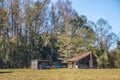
[60, 74]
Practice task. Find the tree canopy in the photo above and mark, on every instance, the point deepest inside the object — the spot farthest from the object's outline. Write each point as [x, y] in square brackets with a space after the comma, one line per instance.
[39, 29]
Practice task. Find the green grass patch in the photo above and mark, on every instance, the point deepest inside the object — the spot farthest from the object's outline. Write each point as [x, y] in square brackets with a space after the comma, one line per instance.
[60, 74]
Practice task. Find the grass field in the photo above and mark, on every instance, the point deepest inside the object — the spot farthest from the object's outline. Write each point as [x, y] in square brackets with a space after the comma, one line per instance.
[60, 74]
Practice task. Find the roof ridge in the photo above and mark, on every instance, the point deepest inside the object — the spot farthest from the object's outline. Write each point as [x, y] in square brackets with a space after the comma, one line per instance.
[80, 56]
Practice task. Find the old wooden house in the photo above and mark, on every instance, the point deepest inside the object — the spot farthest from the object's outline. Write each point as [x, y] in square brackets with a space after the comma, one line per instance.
[40, 64]
[83, 60]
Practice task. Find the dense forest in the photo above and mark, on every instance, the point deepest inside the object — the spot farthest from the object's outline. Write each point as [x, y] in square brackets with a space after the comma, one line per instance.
[39, 29]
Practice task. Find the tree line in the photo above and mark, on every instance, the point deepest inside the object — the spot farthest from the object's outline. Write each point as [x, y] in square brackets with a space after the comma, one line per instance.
[39, 29]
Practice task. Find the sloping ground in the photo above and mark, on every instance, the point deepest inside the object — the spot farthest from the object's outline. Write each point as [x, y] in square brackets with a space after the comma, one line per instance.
[60, 74]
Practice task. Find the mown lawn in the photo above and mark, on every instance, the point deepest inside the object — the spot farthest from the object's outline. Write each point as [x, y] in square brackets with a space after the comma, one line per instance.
[60, 74]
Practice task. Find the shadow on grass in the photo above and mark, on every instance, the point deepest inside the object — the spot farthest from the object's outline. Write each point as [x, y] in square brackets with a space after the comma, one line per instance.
[6, 72]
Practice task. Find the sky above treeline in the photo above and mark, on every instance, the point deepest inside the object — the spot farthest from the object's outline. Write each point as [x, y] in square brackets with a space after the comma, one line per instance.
[95, 9]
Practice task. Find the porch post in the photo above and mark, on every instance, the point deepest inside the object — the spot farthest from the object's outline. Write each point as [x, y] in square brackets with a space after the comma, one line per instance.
[91, 60]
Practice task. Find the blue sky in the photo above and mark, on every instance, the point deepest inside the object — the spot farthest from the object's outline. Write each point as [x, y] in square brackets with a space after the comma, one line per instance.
[95, 9]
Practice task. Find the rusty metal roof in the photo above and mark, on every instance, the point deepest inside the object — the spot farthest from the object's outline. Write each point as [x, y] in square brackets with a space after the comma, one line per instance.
[80, 56]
